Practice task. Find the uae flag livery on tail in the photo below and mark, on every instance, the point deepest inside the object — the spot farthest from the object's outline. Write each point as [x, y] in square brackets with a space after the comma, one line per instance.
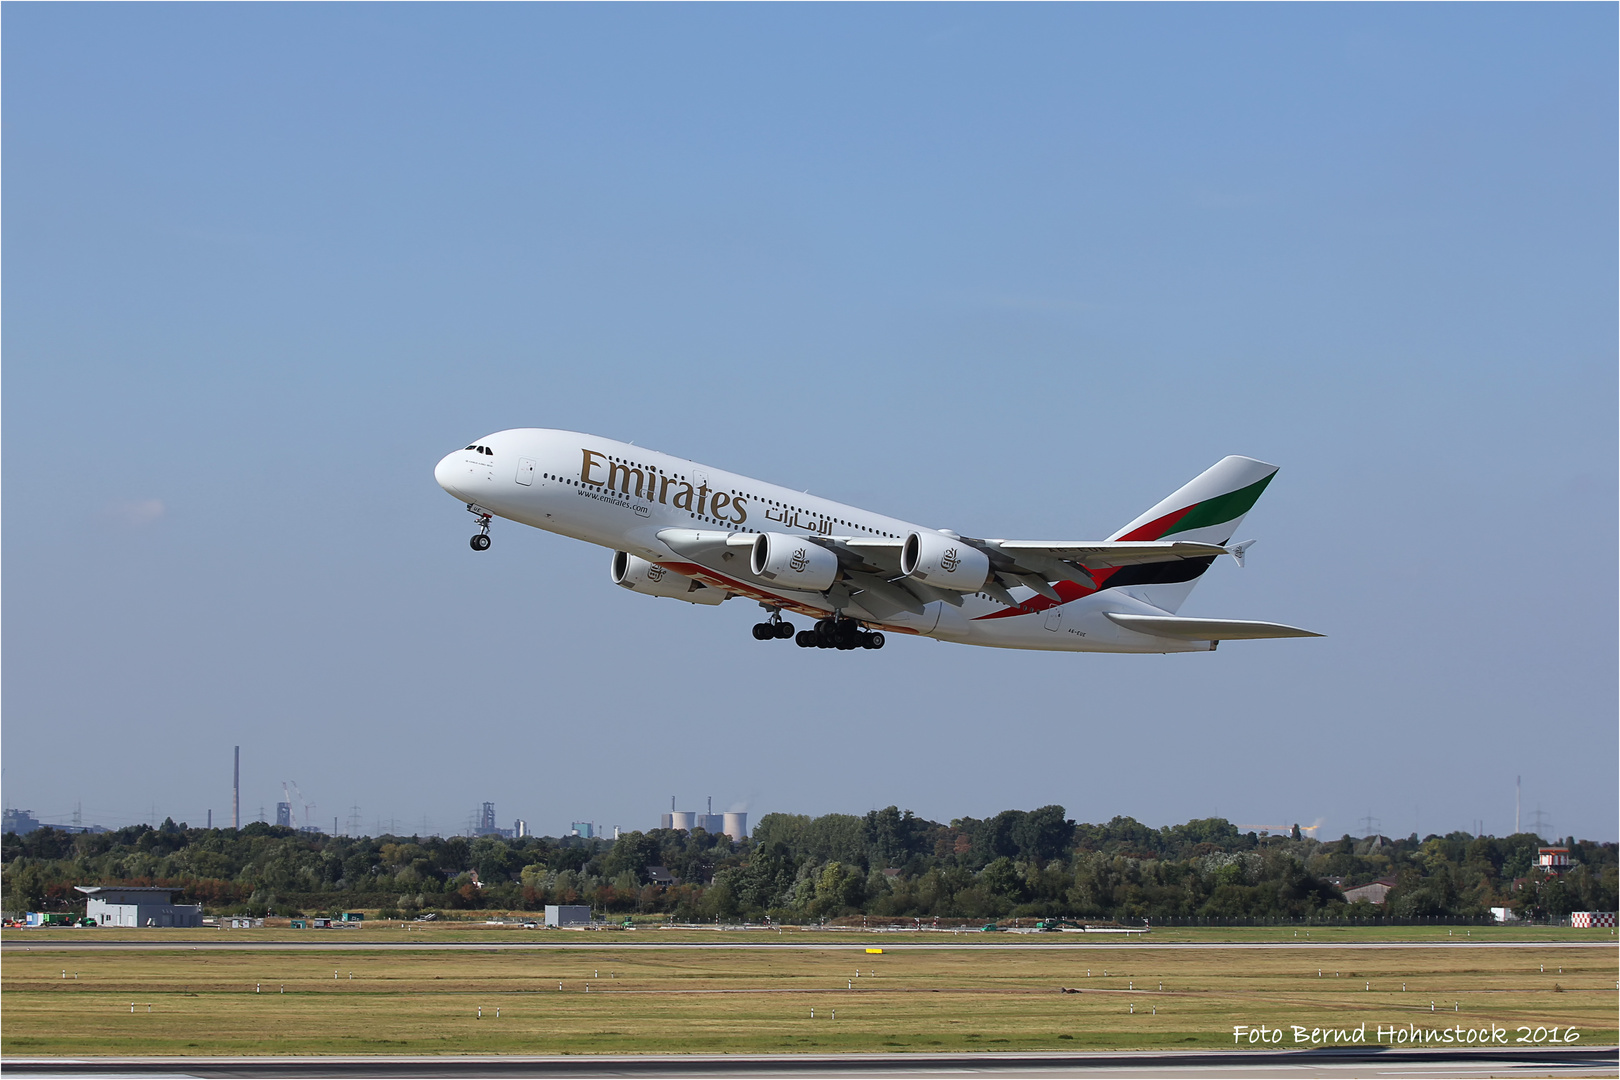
[1209, 508]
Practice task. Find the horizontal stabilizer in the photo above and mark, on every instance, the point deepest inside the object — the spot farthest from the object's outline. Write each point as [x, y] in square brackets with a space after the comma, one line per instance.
[1174, 626]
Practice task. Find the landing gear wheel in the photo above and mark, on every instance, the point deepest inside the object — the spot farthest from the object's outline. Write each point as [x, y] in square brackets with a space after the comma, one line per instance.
[807, 639]
[874, 640]
[481, 541]
[774, 627]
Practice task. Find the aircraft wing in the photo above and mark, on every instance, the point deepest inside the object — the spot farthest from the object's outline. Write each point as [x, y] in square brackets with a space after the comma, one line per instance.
[1031, 563]
[879, 553]
[1175, 626]
[873, 563]
[1105, 554]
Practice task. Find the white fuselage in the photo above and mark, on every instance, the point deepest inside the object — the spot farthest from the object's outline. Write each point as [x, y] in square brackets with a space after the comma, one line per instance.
[621, 496]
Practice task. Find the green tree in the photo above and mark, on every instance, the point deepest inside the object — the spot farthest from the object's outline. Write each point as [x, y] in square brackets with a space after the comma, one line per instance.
[1001, 880]
[892, 838]
[1043, 834]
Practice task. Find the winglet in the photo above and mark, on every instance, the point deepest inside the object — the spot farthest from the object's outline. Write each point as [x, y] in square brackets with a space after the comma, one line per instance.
[1237, 551]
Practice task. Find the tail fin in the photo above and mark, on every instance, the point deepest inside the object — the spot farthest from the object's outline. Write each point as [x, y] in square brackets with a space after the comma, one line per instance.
[1209, 508]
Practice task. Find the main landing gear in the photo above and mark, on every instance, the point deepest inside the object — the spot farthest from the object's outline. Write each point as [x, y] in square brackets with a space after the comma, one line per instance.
[775, 628]
[481, 541]
[839, 634]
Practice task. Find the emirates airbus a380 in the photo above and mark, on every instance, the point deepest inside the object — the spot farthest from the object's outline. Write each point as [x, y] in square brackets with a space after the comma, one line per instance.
[700, 534]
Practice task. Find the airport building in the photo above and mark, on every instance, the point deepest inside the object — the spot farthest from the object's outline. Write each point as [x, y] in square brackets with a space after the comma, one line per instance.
[132, 905]
[568, 915]
[1373, 893]
[1554, 860]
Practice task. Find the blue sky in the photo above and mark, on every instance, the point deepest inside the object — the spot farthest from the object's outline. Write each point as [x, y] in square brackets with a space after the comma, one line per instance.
[1014, 270]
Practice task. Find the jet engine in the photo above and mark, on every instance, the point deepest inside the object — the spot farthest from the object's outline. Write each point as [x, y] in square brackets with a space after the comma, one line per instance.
[792, 562]
[638, 575]
[944, 562]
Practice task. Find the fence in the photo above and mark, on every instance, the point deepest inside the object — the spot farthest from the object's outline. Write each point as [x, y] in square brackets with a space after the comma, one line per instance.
[1323, 920]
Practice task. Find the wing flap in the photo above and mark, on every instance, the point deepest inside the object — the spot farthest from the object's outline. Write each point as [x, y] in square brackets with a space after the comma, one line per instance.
[1104, 554]
[1175, 626]
[889, 599]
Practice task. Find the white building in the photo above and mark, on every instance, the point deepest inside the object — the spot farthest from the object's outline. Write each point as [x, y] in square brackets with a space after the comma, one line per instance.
[137, 905]
[568, 915]
[1375, 892]
[734, 825]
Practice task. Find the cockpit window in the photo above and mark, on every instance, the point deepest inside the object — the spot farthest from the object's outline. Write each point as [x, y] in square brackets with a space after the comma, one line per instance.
[472, 447]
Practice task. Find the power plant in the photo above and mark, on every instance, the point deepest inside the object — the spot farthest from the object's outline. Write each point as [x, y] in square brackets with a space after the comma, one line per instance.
[732, 823]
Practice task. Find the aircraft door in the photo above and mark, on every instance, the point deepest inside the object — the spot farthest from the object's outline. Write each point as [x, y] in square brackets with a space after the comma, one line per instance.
[1054, 619]
[525, 472]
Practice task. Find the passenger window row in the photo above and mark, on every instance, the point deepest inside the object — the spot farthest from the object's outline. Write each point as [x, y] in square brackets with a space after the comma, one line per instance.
[840, 521]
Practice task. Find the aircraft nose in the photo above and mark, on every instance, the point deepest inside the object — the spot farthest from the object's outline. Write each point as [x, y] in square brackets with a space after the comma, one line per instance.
[446, 471]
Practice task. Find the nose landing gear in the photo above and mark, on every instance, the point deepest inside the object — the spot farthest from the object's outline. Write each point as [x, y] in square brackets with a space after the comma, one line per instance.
[481, 541]
[775, 628]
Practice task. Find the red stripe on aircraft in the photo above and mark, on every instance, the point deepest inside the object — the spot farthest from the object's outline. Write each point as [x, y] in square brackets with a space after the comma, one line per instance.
[1155, 530]
[1070, 590]
[1067, 590]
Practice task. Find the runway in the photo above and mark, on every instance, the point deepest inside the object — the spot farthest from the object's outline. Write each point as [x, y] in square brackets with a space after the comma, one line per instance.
[1371, 1062]
[13, 945]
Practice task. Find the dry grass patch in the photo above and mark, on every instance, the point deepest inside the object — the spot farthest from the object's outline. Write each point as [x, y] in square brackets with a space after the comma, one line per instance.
[209, 1002]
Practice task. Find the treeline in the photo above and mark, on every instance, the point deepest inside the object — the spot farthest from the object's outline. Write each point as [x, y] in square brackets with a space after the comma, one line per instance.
[889, 864]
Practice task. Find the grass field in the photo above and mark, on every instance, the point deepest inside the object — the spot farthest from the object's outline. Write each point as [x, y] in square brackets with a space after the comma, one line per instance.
[481, 932]
[631, 999]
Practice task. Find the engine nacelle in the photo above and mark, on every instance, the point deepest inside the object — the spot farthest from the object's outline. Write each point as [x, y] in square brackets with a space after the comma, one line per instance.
[944, 562]
[638, 575]
[792, 562]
